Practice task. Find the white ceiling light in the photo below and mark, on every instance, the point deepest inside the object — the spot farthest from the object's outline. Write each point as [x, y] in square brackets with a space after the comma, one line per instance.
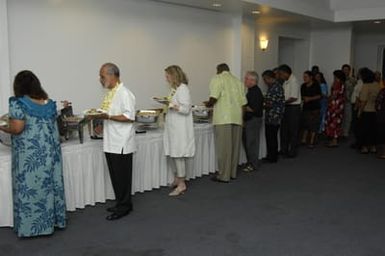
[377, 22]
[256, 12]
[216, 4]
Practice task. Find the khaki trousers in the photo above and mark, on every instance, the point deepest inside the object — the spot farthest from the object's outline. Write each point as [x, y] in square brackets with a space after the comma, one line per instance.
[228, 139]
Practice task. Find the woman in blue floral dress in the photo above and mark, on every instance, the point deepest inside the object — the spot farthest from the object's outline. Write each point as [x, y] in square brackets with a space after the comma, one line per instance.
[38, 190]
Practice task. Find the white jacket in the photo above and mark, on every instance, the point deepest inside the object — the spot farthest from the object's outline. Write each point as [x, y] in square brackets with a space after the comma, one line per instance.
[178, 138]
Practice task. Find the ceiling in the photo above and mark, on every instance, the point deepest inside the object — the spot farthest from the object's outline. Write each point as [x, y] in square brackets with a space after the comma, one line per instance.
[276, 16]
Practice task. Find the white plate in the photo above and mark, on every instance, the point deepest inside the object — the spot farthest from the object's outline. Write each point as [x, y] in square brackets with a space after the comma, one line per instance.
[100, 111]
[161, 100]
[3, 123]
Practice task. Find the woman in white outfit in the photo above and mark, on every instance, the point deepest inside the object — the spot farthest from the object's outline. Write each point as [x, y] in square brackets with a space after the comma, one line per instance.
[179, 142]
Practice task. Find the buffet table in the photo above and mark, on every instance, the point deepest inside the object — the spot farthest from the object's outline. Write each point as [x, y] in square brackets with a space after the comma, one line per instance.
[85, 172]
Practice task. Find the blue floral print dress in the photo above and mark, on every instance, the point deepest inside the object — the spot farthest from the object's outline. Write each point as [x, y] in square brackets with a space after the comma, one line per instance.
[37, 174]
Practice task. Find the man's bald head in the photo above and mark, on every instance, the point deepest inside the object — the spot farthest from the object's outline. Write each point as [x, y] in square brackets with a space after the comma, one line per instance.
[109, 75]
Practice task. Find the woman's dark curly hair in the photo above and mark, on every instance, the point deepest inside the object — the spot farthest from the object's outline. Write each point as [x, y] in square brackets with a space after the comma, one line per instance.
[27, 83]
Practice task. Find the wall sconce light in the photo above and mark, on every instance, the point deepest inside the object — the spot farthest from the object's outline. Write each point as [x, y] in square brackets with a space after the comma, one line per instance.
[263, 43]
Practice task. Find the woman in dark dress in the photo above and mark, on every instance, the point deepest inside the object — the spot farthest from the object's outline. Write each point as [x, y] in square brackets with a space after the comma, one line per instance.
[311, 95]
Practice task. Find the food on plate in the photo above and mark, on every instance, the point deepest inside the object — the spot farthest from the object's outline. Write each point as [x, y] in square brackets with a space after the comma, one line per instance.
[94, 111]
[161, 99]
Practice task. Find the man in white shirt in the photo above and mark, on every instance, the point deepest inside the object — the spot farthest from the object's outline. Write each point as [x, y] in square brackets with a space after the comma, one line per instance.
[118, 138]
[291, 118]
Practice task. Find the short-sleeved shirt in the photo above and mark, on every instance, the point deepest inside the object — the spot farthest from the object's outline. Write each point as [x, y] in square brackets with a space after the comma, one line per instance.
[274, 104]
[356, 91]
[119, 137]
[369, 94]
[311, 91]
[292, 90]
[255, 102]
[230, 95]
[350, 83]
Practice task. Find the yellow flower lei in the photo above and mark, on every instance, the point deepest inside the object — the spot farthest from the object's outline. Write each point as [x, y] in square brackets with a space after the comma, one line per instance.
[169, 98]
[106, 104]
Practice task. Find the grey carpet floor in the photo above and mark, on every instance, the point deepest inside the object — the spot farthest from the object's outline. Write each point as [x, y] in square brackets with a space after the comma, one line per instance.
[326, 202]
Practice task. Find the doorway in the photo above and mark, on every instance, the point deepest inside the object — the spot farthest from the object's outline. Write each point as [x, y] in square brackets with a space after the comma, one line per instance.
[295, 53]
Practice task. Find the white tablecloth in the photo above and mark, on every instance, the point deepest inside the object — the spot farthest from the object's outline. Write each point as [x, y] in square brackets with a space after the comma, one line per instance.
[6, 211]
[85, 172]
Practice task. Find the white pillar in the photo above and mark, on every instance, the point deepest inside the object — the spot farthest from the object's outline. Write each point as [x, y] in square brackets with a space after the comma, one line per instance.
[237, 46]
[5, 82]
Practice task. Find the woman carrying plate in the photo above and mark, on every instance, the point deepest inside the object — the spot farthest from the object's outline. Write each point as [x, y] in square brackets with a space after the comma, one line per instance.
[37, 174]
[179, 142]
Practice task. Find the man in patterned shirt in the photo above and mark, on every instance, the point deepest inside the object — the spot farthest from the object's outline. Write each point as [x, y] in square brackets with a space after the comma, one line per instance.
[274, 110]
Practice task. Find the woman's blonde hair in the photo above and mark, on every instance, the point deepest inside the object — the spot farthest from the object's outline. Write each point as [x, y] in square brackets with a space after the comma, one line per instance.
[177, 74]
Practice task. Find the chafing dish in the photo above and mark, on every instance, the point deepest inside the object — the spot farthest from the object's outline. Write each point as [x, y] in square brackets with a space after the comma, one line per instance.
[148, 119]
[69, 123]
[147, 116]
[201, 114]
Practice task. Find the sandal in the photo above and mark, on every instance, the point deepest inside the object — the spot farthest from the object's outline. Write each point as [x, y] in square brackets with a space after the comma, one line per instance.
[178, 191]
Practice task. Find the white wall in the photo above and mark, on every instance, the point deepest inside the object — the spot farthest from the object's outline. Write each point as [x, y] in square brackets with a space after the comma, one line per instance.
[5, 87]
[286, 51]
[65, 42]
[366, 50]
[331, 48]
[248, 45]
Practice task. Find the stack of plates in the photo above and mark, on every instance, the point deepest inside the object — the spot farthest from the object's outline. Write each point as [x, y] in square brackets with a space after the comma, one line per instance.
[5, 138]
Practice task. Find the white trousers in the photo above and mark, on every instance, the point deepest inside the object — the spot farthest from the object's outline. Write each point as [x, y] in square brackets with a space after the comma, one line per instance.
[179, 166]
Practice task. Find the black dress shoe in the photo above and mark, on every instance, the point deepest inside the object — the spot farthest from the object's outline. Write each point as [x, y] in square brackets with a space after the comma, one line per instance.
[215, 179]
[116, 216]
[112, 209]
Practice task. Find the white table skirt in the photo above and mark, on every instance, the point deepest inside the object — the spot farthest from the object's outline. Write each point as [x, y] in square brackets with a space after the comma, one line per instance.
[6, 209]
[86, 177]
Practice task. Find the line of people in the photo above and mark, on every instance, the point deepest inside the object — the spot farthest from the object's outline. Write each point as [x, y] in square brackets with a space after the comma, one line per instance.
[296, 114]
[286, 107]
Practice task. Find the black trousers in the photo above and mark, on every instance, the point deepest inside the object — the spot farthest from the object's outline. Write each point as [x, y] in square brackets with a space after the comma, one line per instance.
[271, 134]
[290, 129]
[355, 125]
[120, 167]
[367, 129]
